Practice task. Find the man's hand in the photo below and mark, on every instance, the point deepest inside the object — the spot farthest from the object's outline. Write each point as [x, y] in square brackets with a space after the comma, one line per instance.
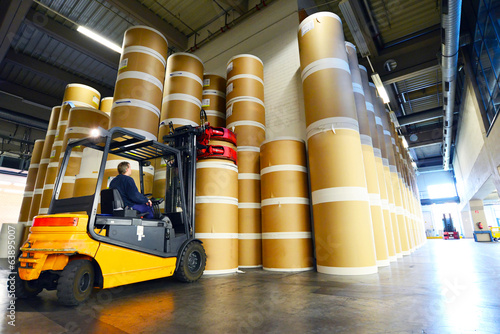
[149, 203]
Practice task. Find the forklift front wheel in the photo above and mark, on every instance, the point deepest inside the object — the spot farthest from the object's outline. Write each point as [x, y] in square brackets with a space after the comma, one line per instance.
[192, 263]
[76, 282]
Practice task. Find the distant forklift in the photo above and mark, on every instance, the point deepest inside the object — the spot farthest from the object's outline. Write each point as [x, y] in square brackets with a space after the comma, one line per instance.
[449, 230]
[73, 249]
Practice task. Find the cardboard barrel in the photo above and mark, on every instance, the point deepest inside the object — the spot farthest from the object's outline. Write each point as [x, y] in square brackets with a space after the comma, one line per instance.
[386, 147]
[82, 96]
[106, 104]
[342, 218]
[86, 179]
[44, 163]
[139, 84]
[159, 180]
[245, 77]
[214, 99]
[29, 188]
[81, 121]
[286, 228]
[379, 167]
[183, 92]
[368, 159]
[217, 214]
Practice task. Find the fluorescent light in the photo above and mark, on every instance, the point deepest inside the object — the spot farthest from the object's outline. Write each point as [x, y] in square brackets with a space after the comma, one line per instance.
[349, 9]
[380, 87]
[98, 38]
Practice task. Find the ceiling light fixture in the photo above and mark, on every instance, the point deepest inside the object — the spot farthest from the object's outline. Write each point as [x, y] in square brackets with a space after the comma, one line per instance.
[380, 87]
[98, 38]
[349, 10]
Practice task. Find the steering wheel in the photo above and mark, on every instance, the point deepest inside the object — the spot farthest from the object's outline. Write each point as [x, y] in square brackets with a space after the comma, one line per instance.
[157, 201]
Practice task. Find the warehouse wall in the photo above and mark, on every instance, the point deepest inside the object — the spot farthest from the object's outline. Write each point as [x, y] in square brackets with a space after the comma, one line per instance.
[271, 35]
[476, 156]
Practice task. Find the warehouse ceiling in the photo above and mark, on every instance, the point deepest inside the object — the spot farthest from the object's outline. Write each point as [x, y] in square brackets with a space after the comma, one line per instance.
[41, 52]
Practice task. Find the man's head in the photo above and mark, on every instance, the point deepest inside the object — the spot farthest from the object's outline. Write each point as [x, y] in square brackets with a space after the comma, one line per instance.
[124, 168]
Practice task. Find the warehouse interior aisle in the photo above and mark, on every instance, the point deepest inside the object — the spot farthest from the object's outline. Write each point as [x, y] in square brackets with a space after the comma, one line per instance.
[444, 287]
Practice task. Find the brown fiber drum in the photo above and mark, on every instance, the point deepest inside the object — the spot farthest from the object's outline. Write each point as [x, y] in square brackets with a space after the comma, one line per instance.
[341, 208]
[30, 181]
[44, 162]
[106, 105]
[82, 96]
[217, 214]
[214, 99]
[286, 228]
[81, 121]
[86, 179]
[245, 77]
[139, 84]
[183, 92]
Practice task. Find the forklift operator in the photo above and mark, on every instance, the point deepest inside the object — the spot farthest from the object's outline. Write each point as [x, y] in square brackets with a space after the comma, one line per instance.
[131, 196]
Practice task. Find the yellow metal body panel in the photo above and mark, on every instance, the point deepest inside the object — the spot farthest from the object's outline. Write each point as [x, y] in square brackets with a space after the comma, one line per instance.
[122, 266]
[495, 231]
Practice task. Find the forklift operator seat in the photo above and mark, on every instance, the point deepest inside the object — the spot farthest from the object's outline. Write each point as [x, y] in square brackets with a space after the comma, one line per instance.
[112, 204]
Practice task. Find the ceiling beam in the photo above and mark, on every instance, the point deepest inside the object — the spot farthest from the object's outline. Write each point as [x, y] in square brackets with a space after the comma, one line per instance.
[52, 72]
[428, 142]
[422, 116]
[147, 17]
[12, 13]
[27, 94]
[19, 105]
[73, 38]
[410, 72]
[427, 162]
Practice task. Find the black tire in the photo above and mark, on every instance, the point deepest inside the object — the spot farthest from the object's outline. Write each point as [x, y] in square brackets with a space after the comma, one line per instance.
[25, 289]
[75, 283]
[192, 263]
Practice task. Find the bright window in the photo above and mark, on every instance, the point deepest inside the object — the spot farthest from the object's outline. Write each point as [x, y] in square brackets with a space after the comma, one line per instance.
[441, 191]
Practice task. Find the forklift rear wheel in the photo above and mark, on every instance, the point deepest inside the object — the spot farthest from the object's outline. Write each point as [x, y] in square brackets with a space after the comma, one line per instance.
[75, 283]
[26, 289]
[192, 263]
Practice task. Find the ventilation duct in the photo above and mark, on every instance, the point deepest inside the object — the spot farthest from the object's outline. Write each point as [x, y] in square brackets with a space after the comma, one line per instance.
[450, 33]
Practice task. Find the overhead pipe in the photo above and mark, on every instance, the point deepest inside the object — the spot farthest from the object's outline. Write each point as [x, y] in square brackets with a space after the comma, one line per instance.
[450, 33]
[26, 121]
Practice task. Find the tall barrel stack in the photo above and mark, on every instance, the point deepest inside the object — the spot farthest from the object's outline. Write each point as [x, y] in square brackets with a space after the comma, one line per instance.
[81, 121]
[139, 84]
[386, 153]
[390, 170]
[341, 209]
[44, 162]
[181, 102]
[75, 95]
[368, 159]
[214, 99]
[30, 181]
[286, 228]
[379, 167]
[245, 116]
[217, 214]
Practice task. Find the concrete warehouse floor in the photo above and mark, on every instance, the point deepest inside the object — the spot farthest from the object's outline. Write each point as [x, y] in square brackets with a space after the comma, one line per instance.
[447, 286]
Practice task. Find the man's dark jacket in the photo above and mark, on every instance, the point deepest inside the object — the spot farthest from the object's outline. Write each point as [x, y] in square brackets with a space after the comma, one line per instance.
[127, 188]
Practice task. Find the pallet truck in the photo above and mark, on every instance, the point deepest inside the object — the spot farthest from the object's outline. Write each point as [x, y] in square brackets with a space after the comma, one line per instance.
[73, 249]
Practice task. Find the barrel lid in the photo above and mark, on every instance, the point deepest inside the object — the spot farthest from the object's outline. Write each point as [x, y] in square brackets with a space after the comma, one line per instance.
[83, 86]
[349, 44]
[283, 138]
[316, 15]
[362, 68]
[39, 140]
[372, 84]
[106, 98]
[149, 28]
[245, 55]
[186, 54]
[56, 107]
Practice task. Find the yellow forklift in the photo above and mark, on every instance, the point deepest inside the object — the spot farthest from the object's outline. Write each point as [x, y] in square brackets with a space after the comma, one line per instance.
[73, 249]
